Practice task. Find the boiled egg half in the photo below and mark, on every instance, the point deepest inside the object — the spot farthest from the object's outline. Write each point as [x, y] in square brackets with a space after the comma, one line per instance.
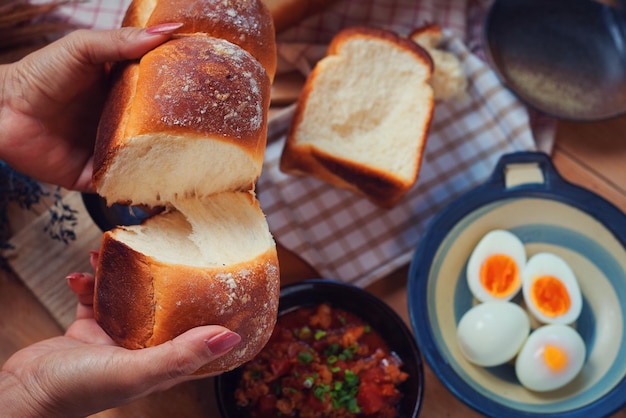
[495, 266]
[551, 291]
[551, 357]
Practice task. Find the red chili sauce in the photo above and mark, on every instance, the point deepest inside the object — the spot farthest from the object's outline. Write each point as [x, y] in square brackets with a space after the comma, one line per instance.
[322, 362]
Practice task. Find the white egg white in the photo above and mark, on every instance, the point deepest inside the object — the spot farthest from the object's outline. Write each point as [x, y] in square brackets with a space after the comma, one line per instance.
[534, 372]
[497, 241]
[491, 333]
[548, 264]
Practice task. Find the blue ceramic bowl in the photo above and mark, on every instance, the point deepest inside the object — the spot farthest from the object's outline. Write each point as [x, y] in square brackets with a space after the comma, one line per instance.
[380, 316]
[526, 195]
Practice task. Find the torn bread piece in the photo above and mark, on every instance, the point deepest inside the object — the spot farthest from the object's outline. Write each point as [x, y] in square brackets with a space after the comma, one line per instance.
[449, 80]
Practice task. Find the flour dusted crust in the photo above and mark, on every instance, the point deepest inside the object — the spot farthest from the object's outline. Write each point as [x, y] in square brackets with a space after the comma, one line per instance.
[185, 128]
[246, 23]
[221, 95]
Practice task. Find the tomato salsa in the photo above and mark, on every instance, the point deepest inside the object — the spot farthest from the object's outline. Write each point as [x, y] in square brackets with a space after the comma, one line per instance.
[322, 362]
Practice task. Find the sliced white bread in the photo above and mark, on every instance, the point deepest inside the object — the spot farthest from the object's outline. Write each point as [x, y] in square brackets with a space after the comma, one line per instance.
[363, 116]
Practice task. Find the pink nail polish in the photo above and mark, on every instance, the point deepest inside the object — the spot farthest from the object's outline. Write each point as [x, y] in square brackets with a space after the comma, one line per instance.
[163, 29]
[221, 343]
[74, 276]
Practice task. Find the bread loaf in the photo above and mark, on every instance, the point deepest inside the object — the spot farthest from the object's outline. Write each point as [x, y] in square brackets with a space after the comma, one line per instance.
[362, 119]
[185, 128]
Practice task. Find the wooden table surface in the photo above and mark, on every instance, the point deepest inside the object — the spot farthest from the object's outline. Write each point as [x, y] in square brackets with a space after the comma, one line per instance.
[589, 154]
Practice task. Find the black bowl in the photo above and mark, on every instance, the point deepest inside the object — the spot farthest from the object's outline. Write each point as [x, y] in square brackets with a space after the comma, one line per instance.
[380, 316]
[108, 217]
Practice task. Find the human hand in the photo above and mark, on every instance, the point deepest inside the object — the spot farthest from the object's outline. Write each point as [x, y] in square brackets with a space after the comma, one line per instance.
[84, 372]
[51, 101]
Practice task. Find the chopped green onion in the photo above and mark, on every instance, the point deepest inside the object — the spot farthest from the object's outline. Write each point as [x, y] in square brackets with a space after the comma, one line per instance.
[319, 392]
[319, 334]
[305, 357]
[304, 333]
[351, 378]
[256, 374]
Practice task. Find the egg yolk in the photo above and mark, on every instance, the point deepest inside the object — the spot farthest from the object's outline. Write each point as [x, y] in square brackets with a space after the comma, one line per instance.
[499, 275]
[550, 296]
[555, 358]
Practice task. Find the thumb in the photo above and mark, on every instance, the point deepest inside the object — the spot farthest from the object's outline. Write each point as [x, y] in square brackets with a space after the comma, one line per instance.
[99, 47]
[176, 360]
[78, 59]
[123, 376]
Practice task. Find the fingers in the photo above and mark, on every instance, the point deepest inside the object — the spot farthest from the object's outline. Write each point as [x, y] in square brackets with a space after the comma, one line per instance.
[177, 360]
[84, 182]
[191, 350]
[93, 259]
[82, 284]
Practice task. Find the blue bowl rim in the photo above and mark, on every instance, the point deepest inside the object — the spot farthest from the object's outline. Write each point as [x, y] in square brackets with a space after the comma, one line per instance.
[369, 299]
[554, 188]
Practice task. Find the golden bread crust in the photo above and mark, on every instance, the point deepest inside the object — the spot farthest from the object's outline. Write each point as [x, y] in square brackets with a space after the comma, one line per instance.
[111, 129]
[142, 302]
[221, 95]
[246, 23]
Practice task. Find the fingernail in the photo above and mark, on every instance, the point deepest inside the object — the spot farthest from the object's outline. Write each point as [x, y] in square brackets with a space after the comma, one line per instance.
[74, 276]
[93, 257]
[221, 343]
[163, 29]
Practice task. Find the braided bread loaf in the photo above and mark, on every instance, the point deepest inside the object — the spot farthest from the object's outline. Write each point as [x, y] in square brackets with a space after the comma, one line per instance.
[185, 128]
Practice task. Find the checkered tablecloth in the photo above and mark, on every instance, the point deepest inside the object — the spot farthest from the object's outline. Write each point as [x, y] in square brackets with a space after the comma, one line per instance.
[341, 235]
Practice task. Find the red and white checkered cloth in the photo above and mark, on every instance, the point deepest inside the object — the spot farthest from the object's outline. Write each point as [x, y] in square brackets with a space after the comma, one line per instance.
[341, 235]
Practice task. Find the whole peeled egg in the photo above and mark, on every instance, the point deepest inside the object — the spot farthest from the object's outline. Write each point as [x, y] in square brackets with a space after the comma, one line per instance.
[491, 333]
[550, 358]
[551, 291]
[494, 269]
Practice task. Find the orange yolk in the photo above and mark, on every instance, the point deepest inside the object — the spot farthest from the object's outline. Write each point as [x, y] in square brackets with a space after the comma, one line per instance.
[550, 296]
[555, 358]
[499, 275]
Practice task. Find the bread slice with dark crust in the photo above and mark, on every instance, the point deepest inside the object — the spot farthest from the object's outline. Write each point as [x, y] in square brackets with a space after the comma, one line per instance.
[363, 116]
